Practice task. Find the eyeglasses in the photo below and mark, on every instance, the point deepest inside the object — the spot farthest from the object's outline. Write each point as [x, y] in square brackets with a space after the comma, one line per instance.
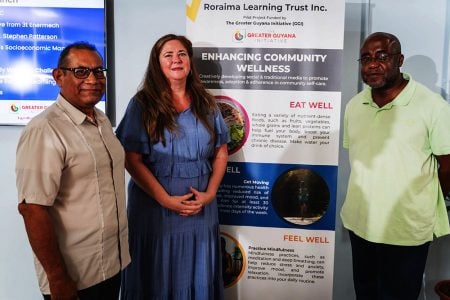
[83, 73]
[379, 57]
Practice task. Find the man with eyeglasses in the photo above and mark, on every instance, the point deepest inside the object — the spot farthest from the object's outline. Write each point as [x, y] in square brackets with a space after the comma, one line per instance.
[70, 181]
[398, 135]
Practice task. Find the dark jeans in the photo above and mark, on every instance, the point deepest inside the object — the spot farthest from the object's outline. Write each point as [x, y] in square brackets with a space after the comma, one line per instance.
[105, 290]
[387, 272]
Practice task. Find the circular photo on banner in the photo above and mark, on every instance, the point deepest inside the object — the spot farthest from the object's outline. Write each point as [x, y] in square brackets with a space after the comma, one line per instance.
[237, 121]
[233, 259]
[300, 196]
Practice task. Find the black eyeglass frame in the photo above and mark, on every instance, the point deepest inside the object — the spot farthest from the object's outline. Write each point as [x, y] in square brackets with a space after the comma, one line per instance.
[380, 57]
[99, 73]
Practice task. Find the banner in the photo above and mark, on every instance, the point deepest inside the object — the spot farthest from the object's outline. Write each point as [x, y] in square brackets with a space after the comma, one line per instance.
[275, 69]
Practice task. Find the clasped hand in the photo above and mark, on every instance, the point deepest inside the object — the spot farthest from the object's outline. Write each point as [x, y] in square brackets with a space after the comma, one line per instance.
[189, 204]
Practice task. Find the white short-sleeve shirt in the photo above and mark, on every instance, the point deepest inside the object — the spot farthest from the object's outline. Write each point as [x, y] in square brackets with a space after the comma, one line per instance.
[76, 168]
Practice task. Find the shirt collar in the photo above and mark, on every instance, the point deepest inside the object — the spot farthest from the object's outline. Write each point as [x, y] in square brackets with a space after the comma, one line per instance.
[402, 99]
[74, 113]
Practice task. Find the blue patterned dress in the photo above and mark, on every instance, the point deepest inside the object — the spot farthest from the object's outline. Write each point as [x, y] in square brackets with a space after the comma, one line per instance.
[173, 257]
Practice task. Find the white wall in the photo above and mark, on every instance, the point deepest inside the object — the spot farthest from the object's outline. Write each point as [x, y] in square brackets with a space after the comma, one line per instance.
[421, 26]
[138, 24]
[17, 279]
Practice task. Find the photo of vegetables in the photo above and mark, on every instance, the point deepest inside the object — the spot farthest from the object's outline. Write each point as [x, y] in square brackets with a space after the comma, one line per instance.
[236, 119]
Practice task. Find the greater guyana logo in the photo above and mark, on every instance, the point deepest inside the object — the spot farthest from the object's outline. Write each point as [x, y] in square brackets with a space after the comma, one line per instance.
[238, 36]
[14, 108]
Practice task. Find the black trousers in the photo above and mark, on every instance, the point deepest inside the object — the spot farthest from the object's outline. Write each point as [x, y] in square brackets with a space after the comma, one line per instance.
[105, 290]
[387, 272]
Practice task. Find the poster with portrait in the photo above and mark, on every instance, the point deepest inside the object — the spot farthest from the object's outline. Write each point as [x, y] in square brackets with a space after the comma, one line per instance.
[275, 69]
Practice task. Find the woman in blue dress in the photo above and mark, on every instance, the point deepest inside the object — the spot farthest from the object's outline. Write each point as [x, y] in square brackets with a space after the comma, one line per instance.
[176, 153]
